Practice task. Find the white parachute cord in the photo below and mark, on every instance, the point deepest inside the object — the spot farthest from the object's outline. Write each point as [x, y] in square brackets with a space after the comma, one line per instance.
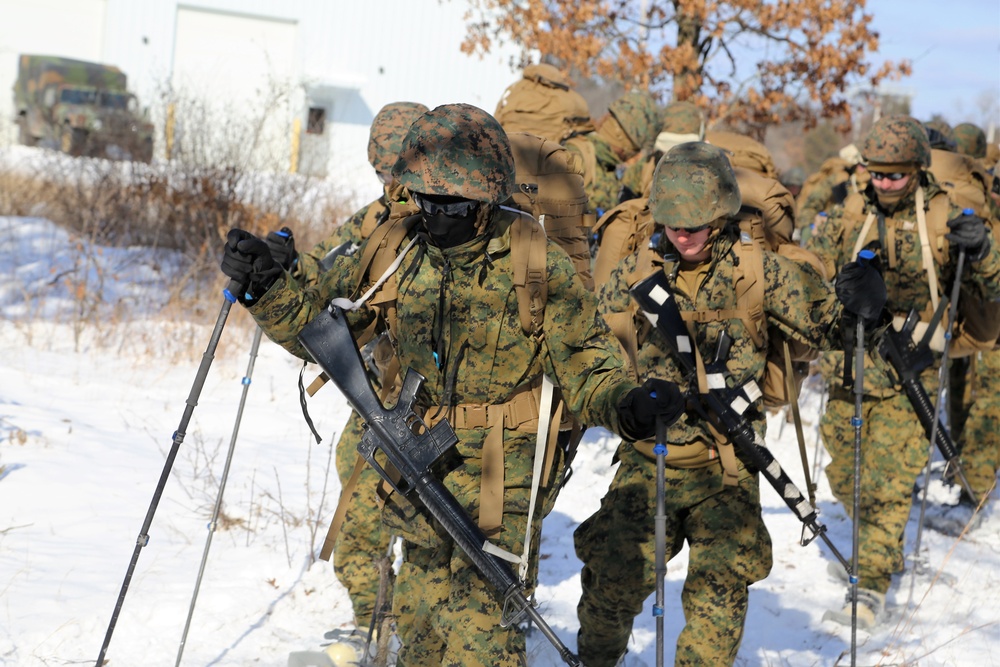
[349, 305]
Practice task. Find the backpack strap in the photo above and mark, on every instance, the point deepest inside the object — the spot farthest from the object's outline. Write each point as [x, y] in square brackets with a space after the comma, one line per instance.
[529, 254]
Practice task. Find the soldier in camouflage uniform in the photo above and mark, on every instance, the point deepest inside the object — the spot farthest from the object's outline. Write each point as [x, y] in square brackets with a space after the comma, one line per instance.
[980, 437]
[713, 498]
[632, 123]
[452, 312]
[837, 178]
[888, 217]
[361, 539]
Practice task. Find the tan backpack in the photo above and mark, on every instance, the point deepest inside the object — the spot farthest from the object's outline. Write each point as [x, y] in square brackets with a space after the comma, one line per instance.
[964, 179]
[550, 187]
[542, 103]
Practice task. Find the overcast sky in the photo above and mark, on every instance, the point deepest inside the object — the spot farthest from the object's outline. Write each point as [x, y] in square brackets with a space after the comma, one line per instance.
[955, 50]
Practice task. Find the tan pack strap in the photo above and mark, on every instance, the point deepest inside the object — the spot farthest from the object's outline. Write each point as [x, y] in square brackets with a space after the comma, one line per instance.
[491, 482]
[750, 290]
[317, 384]
[341, 512]
[389, 376]
[793, 403]
[520, 413]
[370, 221]
[727, 456]
[926, 252]
[528, 250]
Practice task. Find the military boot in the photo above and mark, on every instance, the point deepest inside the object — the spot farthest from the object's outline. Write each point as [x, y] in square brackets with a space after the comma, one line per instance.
[871, 604]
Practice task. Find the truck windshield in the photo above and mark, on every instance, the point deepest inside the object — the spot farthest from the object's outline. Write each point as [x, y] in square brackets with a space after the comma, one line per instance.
[77, 96]
[114, 100]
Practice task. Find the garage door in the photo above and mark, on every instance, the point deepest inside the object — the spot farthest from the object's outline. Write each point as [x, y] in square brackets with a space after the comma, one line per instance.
[238, 64]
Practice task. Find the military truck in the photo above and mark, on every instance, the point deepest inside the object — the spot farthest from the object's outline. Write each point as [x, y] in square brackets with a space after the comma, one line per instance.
[80, 108]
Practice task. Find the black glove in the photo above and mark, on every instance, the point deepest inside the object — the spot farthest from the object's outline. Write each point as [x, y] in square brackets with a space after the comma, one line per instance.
[969, 232]
[247, 260]
[638, 409]
[862, 291]
[282, 247]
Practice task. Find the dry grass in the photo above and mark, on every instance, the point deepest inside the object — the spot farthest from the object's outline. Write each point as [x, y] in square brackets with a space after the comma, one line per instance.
[221, 176]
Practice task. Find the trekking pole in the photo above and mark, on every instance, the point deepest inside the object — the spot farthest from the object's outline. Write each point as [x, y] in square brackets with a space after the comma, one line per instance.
[817, 444]
[857, 421]
[222, 487]
[382, 609]
[942, 378]
[660, 449]
[178, 438]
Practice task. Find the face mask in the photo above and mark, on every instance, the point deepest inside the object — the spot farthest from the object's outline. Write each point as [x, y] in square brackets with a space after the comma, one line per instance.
[449, 224]
[447, 231]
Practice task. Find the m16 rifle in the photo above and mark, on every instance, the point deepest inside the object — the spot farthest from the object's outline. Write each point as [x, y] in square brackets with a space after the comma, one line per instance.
[725, 407]
[411, 449]
[908, 360]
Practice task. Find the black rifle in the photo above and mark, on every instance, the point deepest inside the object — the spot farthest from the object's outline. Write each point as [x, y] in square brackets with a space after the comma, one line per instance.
[655, 299]
[411, 448]
[908, 360]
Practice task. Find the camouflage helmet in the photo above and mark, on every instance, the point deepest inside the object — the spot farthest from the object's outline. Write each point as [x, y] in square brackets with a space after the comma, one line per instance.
[793, 176]
[683, 118]
[693, 185]
[897, 139]
[388, 129]
[638, 116]
[939, 140]
[457, 150]
[970, 140]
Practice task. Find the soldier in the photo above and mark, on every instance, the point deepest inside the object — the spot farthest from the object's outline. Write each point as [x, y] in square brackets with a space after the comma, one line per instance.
[838, 177]
[452, 309]
[901, 211]
[357, 539]
[980, 435]
[630, 223]
[713, 499]
[631, 123]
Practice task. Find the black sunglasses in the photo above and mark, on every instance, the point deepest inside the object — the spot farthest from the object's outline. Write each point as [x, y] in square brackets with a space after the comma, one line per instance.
[457, 209]
[894, 176]
[688, 230]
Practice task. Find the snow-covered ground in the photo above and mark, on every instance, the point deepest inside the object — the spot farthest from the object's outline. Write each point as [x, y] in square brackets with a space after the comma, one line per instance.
[87, 416]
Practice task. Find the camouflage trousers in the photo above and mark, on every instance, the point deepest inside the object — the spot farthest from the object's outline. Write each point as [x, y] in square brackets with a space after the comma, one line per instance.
[893, 452]
[446, 613]
[362, 538]
[981, 451]
[730, 549]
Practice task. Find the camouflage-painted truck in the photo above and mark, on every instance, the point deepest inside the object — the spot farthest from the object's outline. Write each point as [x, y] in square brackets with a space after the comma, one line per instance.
[80, 108]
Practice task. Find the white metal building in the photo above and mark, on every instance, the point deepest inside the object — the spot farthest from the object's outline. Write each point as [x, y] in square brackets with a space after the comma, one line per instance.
[346, 57]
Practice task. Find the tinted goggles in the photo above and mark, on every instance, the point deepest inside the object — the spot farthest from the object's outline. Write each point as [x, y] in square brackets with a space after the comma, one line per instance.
[888, 176]
[689, 230]
[454, 209]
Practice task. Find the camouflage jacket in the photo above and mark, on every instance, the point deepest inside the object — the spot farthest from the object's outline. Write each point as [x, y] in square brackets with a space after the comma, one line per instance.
[600, 164]
[797, 300]
[905, 278]
[457, 324]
